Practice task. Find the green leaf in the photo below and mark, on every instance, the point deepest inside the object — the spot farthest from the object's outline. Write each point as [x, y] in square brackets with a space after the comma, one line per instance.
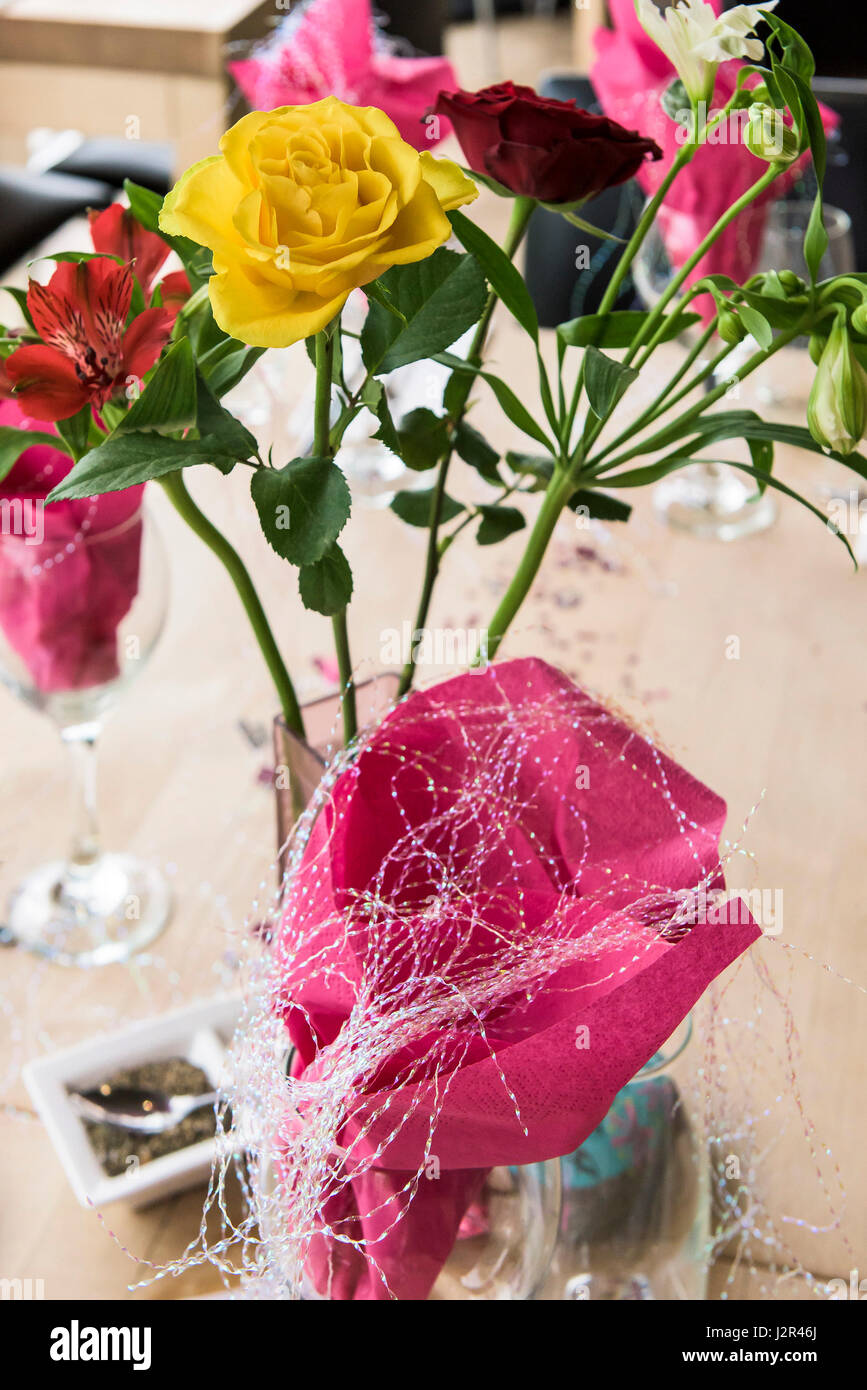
[137, 300]
[738, 423]
[774, 304]
[326, 586]
[762, 455]
[455, 395]
[774, 286]
[745, 424]
[571, 217]
[775, 483]
[423, 438]
[145, 205]
[499, 522]
[505, 279]
[375, 398]
[599, 506]
[815, 130]
[13, 443]
[76, 257]
[533, 466]
[231, 368]
[648, 472]
[618, 328]
[302, 507]
[75, 432]
[605, 381]
[217, 423]
[756, 324]
[477, 452]
[439, 298]
[20, 297]
[168, 401]
[380, 295]
[126, 459]
[415, 507]
[795, 53]
[506, 398]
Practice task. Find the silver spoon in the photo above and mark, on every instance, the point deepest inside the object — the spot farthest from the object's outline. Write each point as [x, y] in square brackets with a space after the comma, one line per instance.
[134, 1107]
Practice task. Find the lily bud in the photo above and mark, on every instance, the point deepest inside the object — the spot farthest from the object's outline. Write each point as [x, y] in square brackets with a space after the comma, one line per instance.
[837, 409]
[730, 328]
[791, 283]
[768, 137]
[859, 319]
[816, 347]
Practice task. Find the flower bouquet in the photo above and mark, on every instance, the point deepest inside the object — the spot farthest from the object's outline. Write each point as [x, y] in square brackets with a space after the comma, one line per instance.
[490, 915]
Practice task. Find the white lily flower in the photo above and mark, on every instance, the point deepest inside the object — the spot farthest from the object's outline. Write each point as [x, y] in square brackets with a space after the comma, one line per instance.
[697, 40]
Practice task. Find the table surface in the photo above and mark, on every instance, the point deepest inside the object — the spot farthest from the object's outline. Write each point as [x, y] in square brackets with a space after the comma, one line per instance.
[644, 618]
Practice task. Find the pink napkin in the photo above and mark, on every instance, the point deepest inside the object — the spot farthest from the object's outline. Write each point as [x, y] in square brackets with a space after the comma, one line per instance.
[629, 77]
[63, 595]
[332, 48]
[542, 845]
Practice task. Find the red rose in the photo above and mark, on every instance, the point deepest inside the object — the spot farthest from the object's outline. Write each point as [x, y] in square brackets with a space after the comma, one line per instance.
[541, 148]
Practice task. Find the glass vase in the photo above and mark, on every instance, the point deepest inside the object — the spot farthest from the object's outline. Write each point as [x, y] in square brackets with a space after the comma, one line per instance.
[636, 1196]
[506, 1239]
[624, 1217]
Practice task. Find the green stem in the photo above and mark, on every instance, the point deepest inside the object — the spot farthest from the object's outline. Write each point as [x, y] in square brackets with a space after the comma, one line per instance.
[661, 404]
[645, 222]
[661, 439]
[772, 172]
[176, 489]
[563, 482]
[522, 211]
[559, 491]
[344, 666]
[612, 290]
[322, 449]
[653, 323]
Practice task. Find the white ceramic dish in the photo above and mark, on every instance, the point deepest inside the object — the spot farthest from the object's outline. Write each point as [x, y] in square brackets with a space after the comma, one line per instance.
[198, 1032]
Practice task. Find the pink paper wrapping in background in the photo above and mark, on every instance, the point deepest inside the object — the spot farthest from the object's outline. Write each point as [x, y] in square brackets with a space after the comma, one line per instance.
[629, 77]
[639, 819]
[332, 48]
[61, 601]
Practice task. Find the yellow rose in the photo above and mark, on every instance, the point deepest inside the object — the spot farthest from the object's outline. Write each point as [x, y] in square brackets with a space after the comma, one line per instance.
[305, 204]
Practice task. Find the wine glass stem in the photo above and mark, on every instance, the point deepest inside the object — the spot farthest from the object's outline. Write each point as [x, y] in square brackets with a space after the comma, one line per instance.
[81, 742]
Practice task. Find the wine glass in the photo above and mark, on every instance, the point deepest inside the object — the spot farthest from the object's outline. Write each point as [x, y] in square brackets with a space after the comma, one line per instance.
[83, 595]
[709, 499]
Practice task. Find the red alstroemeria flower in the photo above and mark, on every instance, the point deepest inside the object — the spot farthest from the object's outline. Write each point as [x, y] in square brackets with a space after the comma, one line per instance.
[175, 290]
[115, 232]
[87, 353]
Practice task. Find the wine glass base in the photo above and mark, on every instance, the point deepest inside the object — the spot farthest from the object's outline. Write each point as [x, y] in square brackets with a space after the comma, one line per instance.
[714, 504]
[91, 917]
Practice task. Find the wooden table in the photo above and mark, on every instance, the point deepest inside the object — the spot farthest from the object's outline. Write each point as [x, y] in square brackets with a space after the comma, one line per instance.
[142, 70]
[643, 617]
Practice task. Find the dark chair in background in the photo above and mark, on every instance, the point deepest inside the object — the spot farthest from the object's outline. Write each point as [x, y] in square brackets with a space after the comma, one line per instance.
[34, 205]
[561, 288]
[111, 161]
